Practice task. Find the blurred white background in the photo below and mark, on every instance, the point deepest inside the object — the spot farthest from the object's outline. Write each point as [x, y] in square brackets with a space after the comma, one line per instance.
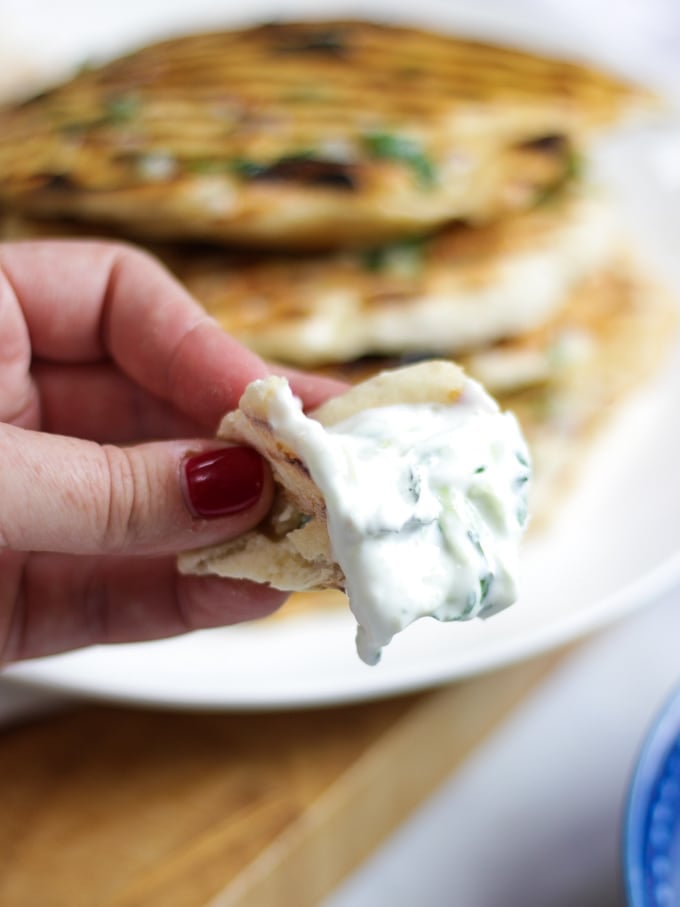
[639, 36]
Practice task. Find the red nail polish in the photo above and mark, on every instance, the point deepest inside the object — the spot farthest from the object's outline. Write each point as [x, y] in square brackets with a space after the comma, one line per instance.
[221, 482]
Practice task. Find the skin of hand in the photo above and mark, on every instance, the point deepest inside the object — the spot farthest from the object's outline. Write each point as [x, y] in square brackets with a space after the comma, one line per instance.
[105, 362]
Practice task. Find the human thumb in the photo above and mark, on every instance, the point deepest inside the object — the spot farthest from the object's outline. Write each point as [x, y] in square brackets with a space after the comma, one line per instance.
[62, 494]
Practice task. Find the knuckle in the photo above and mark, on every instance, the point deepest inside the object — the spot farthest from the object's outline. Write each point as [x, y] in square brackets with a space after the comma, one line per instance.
[126, 500]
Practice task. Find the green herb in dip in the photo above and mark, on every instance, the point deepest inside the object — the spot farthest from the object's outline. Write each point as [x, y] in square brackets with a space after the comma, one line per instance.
[426, 507]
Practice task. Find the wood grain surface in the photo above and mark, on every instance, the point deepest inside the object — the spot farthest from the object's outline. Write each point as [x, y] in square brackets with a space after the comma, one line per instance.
[112, 807]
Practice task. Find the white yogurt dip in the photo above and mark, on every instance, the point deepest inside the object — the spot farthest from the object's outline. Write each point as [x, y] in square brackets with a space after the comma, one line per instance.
[426, 504]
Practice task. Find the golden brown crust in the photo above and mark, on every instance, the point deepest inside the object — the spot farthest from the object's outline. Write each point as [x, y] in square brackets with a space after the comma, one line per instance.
[304, 134]
[459, 288]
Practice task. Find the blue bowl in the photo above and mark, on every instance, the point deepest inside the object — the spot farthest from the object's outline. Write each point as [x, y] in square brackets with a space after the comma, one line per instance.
[652, 826]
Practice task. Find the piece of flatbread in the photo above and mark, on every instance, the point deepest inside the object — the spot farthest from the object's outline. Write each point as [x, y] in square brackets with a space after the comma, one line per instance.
[305, 134]
[291, 549]
[459, 289]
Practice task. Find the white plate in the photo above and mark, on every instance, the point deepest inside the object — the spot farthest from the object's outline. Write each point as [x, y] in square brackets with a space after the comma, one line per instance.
[615, 547]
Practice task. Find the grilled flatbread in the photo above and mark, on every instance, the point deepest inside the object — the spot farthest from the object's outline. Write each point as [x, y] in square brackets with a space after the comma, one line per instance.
[619, 327]
[303, 135]
[613, 337]
[461, 288]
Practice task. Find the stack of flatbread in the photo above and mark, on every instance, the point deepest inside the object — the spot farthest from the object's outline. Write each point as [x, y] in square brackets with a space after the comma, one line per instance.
[345, 195]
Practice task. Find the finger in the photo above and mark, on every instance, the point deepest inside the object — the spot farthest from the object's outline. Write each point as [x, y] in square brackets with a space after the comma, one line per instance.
[113, 409]
[61, 602]
[67, 495]
[84, 301]
[17, 397]
[110, 408]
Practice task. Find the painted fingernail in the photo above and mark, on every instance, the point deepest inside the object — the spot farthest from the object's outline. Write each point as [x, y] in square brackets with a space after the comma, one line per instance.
[222, 482]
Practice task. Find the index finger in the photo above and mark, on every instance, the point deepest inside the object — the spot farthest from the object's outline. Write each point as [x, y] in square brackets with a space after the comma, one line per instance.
[87, 300]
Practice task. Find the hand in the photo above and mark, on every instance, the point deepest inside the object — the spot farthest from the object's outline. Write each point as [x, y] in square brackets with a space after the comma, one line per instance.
[100, 349]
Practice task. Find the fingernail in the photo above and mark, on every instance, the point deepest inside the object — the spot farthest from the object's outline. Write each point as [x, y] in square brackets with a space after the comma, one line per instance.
[221, 482]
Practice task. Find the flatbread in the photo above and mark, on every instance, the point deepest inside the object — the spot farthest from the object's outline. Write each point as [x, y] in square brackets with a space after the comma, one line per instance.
[463, 287]
[303, 134]
[613, 339]
[291, 549]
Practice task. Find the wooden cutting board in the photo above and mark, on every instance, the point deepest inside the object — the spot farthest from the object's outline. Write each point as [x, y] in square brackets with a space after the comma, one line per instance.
[112, 807]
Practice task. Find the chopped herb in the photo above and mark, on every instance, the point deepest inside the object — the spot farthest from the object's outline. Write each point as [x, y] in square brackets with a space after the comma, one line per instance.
[391, 146]
[573, 165]
[470, 603]
[117, 111]
[303, 167]
[373, 259]
[519, 482]
[522, 513]
[480, 469]
[121, 109]
[475, 541]
[381, 258]
[247, 169]
[485, 585]
[573, 168]
[207, 165]
[521, 458]
[415, 484]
